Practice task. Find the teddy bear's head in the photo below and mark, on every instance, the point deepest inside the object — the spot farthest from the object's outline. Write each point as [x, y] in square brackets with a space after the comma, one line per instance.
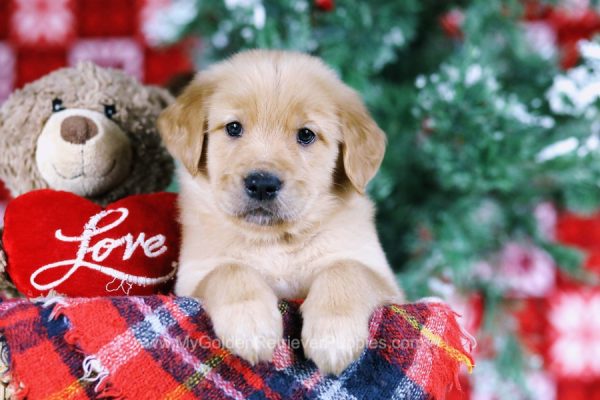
[87, 130]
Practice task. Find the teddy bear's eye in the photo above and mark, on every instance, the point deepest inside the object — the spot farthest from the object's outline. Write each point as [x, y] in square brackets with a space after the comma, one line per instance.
[110, 110]
[57, 105]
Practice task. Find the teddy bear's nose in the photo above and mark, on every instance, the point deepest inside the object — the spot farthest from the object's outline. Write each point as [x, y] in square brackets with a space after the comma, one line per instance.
[78, 129]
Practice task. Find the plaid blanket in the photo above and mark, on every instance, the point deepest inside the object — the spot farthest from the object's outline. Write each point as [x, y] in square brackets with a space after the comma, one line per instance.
[163, 347]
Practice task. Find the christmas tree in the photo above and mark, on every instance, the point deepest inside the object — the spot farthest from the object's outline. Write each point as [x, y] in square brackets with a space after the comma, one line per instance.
[491, 109]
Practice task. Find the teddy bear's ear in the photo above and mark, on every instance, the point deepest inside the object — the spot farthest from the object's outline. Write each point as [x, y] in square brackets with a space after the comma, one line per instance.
[160, 97]
[183, 124]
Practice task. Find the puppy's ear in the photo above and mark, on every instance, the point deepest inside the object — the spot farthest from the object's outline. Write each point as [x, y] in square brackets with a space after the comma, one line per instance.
[363, 142]
[182, 125]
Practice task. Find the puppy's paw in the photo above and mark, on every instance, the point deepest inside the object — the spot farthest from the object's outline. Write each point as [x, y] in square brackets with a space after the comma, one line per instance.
[334, 341]
[250, 329]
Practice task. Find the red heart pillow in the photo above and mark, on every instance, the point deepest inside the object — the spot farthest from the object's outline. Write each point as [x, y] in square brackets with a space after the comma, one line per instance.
[62, 242]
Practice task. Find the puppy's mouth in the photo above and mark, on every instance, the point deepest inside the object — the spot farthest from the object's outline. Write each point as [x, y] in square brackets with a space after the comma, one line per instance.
[261, 215]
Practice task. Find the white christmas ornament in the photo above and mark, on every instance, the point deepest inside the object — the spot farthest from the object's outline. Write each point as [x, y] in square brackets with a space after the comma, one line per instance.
[558, 149]
[576, 91]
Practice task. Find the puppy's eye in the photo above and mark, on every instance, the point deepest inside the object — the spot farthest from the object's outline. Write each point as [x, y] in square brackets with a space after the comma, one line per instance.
[234, 129]
[306, 136]
[57, 105]
[110, 110]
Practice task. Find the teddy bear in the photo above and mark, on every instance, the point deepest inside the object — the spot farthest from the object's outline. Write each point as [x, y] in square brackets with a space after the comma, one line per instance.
[85, 129]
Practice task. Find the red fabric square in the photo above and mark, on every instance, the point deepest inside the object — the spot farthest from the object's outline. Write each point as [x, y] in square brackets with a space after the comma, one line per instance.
[108, 314]
[53, 378]
[533, 325]
[4, 18]
[32, 64]
[574, 390]
[157, 60]
[107, 18]
[159, 388]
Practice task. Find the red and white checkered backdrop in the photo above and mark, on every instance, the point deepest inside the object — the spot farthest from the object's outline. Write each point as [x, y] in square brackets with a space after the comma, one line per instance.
[39, 36]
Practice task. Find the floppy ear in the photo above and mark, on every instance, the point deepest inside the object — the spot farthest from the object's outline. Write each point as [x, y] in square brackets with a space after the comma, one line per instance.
[182, 125]
[363, 142]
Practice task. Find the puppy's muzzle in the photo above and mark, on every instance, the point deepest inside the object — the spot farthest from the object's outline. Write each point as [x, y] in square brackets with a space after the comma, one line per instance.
[262, 185]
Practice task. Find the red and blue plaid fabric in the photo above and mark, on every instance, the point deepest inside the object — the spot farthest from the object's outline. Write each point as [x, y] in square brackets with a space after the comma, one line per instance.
[163, 347]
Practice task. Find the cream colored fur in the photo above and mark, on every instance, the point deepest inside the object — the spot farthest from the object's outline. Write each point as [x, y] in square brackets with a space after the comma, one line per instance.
[322, 243]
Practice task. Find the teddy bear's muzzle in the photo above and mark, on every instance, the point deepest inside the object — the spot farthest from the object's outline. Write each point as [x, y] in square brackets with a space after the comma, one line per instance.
[83, 152]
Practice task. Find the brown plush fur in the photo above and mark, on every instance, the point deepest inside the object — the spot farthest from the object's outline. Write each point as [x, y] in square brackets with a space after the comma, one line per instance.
[316, 240]
[86, 86]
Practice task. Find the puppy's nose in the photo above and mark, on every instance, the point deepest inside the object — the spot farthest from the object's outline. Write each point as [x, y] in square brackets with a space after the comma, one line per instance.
[77, 129]
[261, 185]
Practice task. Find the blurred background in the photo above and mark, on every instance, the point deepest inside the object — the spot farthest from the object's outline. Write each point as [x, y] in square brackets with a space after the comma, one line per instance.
[489, 192]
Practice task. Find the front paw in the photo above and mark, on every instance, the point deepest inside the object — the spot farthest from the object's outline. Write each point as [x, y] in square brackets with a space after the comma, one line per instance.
[334, 341]
[250, 329]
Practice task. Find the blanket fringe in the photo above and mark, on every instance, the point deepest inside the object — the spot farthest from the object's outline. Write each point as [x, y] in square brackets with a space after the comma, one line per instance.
[13, 386]
[468, 341]
[457, 347]
[93, 370]
[57, 302]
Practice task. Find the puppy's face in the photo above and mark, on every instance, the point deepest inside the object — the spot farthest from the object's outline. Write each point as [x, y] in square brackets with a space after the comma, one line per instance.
[270, 152]
[276, 135]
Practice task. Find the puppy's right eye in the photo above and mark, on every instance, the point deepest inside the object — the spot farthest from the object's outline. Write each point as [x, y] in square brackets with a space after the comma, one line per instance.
[234, 129]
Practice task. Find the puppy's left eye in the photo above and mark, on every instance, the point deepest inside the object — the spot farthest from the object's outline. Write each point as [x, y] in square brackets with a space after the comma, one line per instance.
[234, 129]
[306, 136]
[110, 110]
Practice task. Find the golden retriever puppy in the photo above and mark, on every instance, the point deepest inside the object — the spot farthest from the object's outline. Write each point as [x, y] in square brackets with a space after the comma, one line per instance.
[277, 152]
